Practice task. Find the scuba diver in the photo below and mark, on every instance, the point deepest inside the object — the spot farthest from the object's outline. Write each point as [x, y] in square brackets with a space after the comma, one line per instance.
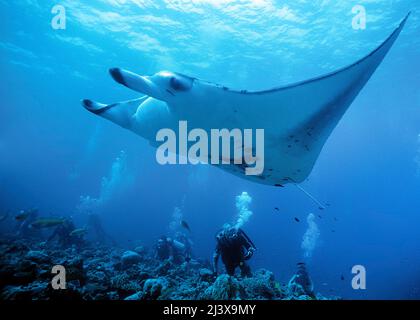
[301, 283]
[65, 235]
[188, 244]
[168, 248]
[236, 248]
[163, 248]
[95, 224]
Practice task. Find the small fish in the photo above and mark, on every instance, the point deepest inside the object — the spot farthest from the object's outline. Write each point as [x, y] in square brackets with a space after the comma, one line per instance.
[300, 263]
[297, 220]
[342, 277]
[185, 225]
[22, 215]
[319, 216]
[42, 223]
[335, 219]
[277, 209]
[78, 232]
[332, 230]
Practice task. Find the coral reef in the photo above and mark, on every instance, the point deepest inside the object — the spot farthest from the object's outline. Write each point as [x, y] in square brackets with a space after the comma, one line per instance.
[112, 273]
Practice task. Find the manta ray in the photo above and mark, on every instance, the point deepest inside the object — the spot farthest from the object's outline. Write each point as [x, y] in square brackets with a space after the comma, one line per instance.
[297, 119]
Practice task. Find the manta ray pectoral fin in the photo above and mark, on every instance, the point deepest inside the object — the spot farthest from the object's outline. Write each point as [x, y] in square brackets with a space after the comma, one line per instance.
[298, 118]
[136, 82]
[307, 112]
[119, 113]
[335, 92]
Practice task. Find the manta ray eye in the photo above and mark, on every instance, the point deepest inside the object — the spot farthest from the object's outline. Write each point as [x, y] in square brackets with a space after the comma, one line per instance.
[179, 84]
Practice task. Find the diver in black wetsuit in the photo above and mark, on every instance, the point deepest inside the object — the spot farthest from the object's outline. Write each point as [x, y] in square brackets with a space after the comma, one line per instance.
[235, 248]
[301, 283]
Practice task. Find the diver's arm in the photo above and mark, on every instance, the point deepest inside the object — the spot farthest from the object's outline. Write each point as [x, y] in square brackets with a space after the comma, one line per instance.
[247, 244]
[248, 255]
[243, 240]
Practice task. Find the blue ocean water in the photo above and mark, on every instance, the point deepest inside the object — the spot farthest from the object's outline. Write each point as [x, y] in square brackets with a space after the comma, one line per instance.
[56, 156]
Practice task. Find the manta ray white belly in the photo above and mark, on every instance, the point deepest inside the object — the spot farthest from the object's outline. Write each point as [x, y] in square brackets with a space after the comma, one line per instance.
[297, 119]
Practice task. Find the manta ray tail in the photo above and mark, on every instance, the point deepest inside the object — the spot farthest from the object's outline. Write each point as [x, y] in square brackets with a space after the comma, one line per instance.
[320, 205]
